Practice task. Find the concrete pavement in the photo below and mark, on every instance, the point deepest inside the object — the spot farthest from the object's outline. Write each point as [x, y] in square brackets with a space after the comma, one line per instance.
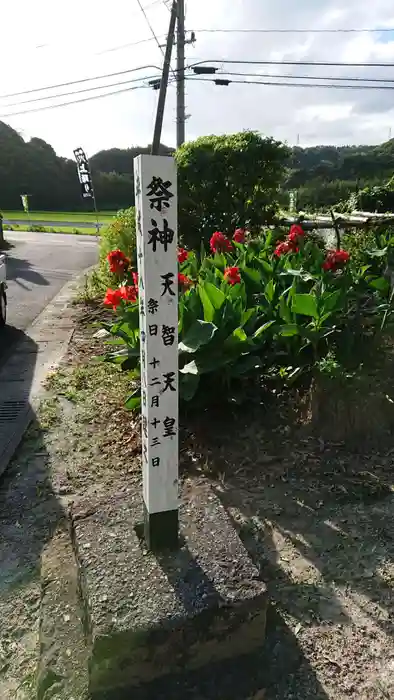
[38, 266]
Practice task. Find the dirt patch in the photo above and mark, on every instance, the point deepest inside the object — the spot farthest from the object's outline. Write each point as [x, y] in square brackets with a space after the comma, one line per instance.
[317, 519]
[97, 440]
[318, 522]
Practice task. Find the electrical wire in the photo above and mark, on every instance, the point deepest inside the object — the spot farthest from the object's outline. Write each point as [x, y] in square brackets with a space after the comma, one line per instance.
[222, 74]
[74, 102]
[155, 2]
[155, 37]
[153, 32]
[150, 27]
[239, 31]
[135, 43]
[76, 82]
[293, 63]
[77, 92]
[200, 63]
[296, 31]
[306, 77]
[303, 85]
[126, 46]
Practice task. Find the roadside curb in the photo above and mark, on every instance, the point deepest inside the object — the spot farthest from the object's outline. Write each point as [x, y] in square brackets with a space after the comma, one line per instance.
[46, 341]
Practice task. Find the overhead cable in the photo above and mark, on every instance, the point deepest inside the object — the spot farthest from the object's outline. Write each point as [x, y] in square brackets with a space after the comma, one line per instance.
[73, 102]
[76, 82]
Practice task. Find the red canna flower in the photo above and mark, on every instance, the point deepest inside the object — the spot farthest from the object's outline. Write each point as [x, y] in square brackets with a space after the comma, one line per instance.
[118, 262]
[129, 293]
[184, 282]
[335, 259]
[287, 246]
[113, 298]
[239, 235]
[232, 275]
[135, 278]
[296, 232]
[283, 248]
[219, 243]
[342, 256]
[183, 255]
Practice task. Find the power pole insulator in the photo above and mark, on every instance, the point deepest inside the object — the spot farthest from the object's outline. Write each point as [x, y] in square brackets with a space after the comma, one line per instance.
[204, 70]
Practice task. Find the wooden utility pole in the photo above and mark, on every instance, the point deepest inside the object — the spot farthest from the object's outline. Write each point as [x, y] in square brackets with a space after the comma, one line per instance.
[180, 94]
[164, 82]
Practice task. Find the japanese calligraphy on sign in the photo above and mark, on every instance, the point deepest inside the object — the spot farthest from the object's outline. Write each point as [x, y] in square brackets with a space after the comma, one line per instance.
[84, 175]
[156, 215]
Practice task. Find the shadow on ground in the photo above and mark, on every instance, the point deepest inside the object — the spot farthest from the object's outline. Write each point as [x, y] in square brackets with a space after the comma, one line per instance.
[27, 502]
[9, 336]
[21, 271]
[280, 670]
[318, 524]
[29, 513]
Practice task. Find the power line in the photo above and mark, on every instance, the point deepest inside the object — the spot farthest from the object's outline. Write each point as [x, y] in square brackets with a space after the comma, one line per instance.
[155, 2]
[294, 63]
[295, 31]
[307, 77]
[152, 31]
[224, 74]
[126, 46]
[193, 65]
[75, 82]
[150, 26]
[77, 92]
[73, 102]
[303, 85]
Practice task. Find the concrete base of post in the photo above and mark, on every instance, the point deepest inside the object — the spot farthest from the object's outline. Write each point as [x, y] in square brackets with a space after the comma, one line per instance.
[150, 615]
[161, 530]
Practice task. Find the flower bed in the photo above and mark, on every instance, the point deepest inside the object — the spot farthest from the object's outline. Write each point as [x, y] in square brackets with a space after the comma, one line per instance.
[270, 309]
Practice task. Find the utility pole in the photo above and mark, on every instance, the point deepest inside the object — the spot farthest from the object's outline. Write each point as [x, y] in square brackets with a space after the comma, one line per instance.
[180, 85]
[164, 82]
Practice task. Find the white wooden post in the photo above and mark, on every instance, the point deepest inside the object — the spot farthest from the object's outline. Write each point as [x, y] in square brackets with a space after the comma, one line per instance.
[155, 185]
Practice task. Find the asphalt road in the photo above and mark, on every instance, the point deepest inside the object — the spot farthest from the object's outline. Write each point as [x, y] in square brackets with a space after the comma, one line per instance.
[38, 265]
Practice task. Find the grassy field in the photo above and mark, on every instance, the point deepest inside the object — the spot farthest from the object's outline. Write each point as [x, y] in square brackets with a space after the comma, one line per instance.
[88, 231]
[83, 216]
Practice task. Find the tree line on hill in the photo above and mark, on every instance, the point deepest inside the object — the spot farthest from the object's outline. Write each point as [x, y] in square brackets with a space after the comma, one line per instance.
[33, 168]
[322, 175]
[326, 175]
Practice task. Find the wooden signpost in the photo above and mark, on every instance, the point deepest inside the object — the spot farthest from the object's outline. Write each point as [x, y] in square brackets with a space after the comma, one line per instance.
[156, 219]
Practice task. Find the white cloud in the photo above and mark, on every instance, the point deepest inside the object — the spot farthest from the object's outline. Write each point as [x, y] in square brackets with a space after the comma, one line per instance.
[74, 39]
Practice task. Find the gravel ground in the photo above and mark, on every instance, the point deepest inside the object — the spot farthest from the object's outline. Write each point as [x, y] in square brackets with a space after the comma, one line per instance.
[317, 520]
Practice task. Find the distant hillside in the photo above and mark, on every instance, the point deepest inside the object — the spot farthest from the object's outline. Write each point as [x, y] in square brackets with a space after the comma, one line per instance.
[120, 160]
[51, 181]
[324, 175]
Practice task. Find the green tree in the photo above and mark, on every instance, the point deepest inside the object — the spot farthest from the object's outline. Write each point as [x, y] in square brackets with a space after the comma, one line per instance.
[227, 181]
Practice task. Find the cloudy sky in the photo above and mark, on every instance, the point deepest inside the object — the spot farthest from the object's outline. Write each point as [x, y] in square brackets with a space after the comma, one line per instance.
[51, 44]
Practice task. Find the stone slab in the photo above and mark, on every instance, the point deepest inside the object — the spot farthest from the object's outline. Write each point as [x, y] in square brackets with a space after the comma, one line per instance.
[151, 615]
